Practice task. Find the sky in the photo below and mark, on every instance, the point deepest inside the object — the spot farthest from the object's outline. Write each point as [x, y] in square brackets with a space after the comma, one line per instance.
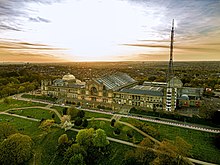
[108, 30]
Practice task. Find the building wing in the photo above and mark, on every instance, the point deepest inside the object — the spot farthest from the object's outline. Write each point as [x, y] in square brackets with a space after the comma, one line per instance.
[116, 81]
[144, 90]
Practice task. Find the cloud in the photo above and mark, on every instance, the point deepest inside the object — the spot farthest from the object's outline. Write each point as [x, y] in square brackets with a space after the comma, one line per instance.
[39, 19]
[196, 48]
[14, 45]
[17, 11]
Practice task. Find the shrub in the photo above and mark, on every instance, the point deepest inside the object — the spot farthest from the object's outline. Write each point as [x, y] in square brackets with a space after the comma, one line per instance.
[78, 121]
[85, 123]
[117, 131]
[113, 122]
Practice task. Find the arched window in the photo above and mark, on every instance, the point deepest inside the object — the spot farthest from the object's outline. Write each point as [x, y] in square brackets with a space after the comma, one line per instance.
[94, 91]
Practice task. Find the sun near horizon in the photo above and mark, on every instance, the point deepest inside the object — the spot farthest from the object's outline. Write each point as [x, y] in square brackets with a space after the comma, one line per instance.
[114, 30]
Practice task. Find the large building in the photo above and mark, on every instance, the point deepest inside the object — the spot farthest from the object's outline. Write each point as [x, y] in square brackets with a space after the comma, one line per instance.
[119, 90]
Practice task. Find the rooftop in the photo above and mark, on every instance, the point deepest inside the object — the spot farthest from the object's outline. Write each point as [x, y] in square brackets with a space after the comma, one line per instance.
[116, 81]
[144, 90]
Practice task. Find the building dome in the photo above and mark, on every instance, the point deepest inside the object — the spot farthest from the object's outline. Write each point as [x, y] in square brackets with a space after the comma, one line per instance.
[184, 97]
[176, 83]
[69, 77]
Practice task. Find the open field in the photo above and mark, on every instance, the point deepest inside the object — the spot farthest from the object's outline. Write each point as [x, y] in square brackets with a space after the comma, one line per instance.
[17, 104]
[105, 125]
[45, 143]
[35, 97]
[36, 113]
[202, 142]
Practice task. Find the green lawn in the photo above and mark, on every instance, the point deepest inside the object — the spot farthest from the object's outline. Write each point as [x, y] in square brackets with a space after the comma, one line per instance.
[105, 125]
[59, 109]
[89, 115]
[36, 97]
[202, 142]
[24, 126]
[36, 113]
[18, 103]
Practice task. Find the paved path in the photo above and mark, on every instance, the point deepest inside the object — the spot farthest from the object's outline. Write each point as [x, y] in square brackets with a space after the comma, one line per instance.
[176, 124]
[23, 117]
[133, 127]
[135, 117]
[109, 138]
[38, 107]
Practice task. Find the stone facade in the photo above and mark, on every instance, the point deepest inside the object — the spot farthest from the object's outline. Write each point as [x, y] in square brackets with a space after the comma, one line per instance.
[120, 90]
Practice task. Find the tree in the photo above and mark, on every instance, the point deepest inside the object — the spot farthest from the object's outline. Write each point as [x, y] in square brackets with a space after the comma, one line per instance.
[85, 123]
[183, 147]
[72, 111]
[81, 114]
[76, 159]
[73, 150]
[167, 153]
[65, 111]
[6, 130]
[63, 139]
[117, 131]
[16, 149]
[100, 139]
[46, 124]
[78, 121]
[6, 100]
[85, 137]
[65, 118]
[217, 140]
[113, 122]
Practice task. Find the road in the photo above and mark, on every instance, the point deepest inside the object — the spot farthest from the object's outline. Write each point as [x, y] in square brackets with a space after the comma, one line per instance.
[161, 121]
[188, 126]
[117, 140]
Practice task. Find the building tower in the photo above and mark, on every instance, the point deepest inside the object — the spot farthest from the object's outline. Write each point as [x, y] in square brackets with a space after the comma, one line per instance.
[171, 92]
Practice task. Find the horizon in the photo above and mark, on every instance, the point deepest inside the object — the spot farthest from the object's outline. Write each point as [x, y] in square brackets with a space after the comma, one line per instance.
[114, 30]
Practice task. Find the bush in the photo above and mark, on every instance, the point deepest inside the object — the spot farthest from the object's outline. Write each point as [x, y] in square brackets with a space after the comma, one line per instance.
[65, 111]
[85, 123]
[78, 121]
[130, 133]
[113, 122]
[81, 114]
[117, 131]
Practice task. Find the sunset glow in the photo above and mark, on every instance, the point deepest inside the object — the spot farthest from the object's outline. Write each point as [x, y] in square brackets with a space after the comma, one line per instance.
[113, 30]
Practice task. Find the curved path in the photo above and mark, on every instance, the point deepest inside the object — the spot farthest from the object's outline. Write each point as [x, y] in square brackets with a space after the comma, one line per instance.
[146, 135]
[37, 107]
[176, 124]
[133, 127]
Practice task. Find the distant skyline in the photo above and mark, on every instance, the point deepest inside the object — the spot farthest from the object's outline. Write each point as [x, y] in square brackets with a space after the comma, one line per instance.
[108, 30]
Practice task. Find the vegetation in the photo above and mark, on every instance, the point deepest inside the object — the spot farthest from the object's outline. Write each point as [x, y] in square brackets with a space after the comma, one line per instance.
[39, 97]
[17, 104]
[16, 149]
[36, 113]
[49, 145]
[201, 142]
[18, 81]
[6, 130]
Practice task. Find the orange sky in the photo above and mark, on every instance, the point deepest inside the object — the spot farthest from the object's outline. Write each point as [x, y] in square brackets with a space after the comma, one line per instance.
[113, 30]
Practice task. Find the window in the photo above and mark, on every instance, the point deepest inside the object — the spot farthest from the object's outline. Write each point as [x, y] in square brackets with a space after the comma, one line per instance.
[94, 91]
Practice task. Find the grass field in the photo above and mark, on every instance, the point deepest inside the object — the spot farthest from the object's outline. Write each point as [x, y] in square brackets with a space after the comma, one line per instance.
[18, 103]
[202, 142]
[96, 115]
[45, 143]
[105, 125]
[39, 97]
[58, 108]
[36, 113]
